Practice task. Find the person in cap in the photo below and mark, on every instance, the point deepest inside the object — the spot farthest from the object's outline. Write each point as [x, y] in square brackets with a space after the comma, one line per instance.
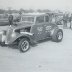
[10, 18]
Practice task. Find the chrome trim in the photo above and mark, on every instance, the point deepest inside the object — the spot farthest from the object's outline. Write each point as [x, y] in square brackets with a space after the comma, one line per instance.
[26, 33]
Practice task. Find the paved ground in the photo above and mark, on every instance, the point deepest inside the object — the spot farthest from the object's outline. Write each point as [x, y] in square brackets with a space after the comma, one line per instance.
[47, 56]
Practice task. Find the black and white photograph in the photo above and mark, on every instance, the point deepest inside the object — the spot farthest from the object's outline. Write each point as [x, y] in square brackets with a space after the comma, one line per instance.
[35, 35]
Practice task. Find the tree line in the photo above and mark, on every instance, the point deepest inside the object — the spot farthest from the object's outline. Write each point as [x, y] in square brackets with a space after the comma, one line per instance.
[2, 11]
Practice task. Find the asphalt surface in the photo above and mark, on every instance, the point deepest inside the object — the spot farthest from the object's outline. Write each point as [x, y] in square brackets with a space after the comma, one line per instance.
[46, 56]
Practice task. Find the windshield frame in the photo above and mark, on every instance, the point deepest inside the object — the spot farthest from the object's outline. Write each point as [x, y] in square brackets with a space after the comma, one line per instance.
[28, 21]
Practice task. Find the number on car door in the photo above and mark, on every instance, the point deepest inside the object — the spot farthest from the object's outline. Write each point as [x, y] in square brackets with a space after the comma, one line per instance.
[38, 29]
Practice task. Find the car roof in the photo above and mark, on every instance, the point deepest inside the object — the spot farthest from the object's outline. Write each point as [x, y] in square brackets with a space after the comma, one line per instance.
[34, 14]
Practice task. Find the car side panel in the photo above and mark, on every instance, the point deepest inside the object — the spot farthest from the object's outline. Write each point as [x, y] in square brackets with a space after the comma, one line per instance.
[39, 31]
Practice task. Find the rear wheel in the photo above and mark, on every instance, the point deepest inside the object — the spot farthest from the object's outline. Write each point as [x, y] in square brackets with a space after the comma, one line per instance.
[24, 45]
[57, 35]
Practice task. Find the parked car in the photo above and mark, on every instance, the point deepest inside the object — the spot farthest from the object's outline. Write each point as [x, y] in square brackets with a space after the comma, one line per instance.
[29, 29]
[4, 20]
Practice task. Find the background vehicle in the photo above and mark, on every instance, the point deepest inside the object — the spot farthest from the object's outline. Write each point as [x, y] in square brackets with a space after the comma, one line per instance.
[4, 20]
[29, 29]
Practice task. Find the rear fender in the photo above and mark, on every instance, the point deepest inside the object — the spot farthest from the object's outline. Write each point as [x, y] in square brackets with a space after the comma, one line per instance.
[53, 30]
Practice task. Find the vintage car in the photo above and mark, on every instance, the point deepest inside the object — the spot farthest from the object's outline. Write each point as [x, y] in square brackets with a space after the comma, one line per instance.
[29, 29]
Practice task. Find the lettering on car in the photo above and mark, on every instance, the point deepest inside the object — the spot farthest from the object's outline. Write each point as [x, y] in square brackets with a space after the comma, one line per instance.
[48, 28]
[39, 30]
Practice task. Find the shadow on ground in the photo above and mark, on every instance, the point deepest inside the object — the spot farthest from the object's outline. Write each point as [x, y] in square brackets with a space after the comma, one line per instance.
[14, 46]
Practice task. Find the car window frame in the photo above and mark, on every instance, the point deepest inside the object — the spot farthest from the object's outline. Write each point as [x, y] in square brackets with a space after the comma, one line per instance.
[41, 22]
[48, 19]
[28, 21]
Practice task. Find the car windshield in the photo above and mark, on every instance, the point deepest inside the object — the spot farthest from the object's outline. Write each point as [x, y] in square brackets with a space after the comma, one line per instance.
[28, 18]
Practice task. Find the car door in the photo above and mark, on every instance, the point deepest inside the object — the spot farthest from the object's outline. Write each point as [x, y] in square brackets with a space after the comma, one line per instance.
[47, 26]
[38, 29]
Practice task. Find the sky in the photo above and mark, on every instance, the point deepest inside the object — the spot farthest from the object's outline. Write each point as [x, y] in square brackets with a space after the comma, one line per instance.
[37, 4]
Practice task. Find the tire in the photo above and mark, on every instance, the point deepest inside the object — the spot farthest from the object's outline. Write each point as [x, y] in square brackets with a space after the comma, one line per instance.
[57, 35]
[2, 44]
[24, 45]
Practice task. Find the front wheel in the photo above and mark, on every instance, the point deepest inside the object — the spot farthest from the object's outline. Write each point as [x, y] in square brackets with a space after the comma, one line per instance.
[2, 44]
[24, 45]
[57, 35]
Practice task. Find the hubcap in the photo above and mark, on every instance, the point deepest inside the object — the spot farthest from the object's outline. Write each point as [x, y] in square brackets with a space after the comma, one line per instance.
[59, 35]
[25, 45]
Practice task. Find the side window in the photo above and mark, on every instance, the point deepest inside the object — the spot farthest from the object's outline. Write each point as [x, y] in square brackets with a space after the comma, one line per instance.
[28, 19]
[46, 18]
[40, 19]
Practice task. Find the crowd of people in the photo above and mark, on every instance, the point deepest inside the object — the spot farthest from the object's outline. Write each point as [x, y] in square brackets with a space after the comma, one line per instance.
[67, 20]
[64, 19]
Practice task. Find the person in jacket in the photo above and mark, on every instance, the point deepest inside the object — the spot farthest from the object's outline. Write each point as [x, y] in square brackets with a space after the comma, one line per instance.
[10, 18]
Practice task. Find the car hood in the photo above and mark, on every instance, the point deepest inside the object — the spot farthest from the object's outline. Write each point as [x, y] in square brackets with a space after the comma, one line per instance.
[16, 26]
[21, 25]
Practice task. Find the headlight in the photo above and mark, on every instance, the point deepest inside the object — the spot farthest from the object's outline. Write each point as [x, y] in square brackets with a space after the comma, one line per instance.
[13, 34]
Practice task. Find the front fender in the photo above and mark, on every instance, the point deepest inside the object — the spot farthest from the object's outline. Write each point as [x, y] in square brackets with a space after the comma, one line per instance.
[18, 35]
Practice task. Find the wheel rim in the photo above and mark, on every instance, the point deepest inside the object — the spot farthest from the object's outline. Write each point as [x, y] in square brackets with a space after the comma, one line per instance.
[25, 45]
[59, 35]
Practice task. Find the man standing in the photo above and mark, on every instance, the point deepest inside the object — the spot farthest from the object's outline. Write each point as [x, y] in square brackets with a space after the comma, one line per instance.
[70, 20]
[10, 19]
[65, 20]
